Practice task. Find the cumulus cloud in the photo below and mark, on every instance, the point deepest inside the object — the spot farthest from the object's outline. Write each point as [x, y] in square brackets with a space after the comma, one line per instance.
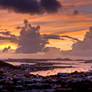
[86, 43]
[82, 48]
[31, 41]
[51, 52]
[31, 6]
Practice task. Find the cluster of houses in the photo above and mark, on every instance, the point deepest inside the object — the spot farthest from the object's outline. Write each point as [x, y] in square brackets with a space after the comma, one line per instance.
[20, 81]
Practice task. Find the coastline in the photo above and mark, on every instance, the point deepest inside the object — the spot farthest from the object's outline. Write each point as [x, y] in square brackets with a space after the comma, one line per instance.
[66, 82]
[17, 80]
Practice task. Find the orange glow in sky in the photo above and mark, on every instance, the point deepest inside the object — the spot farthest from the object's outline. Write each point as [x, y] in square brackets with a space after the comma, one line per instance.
[62, 23]
[6, 44]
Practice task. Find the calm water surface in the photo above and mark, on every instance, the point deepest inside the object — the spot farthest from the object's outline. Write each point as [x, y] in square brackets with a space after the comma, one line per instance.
[76, 66]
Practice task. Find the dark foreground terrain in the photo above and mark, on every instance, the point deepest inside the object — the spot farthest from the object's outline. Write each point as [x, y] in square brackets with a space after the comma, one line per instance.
[13, 79]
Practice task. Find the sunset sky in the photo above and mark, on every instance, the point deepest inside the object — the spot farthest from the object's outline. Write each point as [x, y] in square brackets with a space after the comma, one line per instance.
[72, 19]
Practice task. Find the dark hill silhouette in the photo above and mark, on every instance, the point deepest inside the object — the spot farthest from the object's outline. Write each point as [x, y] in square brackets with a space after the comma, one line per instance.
[6, 65]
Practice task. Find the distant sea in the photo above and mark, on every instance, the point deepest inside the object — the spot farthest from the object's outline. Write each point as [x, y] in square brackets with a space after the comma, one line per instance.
[79, 66]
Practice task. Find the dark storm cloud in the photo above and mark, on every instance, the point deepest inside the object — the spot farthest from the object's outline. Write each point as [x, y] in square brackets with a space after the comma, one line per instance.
[30, 6]
[50, 5]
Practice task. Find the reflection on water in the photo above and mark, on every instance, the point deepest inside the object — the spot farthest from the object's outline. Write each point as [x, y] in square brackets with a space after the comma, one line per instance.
[19, 63]
[76, 66]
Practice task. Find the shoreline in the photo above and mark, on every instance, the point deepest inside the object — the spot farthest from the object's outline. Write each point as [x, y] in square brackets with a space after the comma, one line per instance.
[66, 82]
[17, 80]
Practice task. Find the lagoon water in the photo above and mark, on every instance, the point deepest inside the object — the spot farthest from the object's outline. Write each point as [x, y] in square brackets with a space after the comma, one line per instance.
[76, 66]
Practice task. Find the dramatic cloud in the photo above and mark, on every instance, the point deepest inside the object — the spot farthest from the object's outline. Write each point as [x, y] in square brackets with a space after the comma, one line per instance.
[31, 6]
[50, 5]
[82, 48]
[31, 41]
[51, 52]
[86, 44]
